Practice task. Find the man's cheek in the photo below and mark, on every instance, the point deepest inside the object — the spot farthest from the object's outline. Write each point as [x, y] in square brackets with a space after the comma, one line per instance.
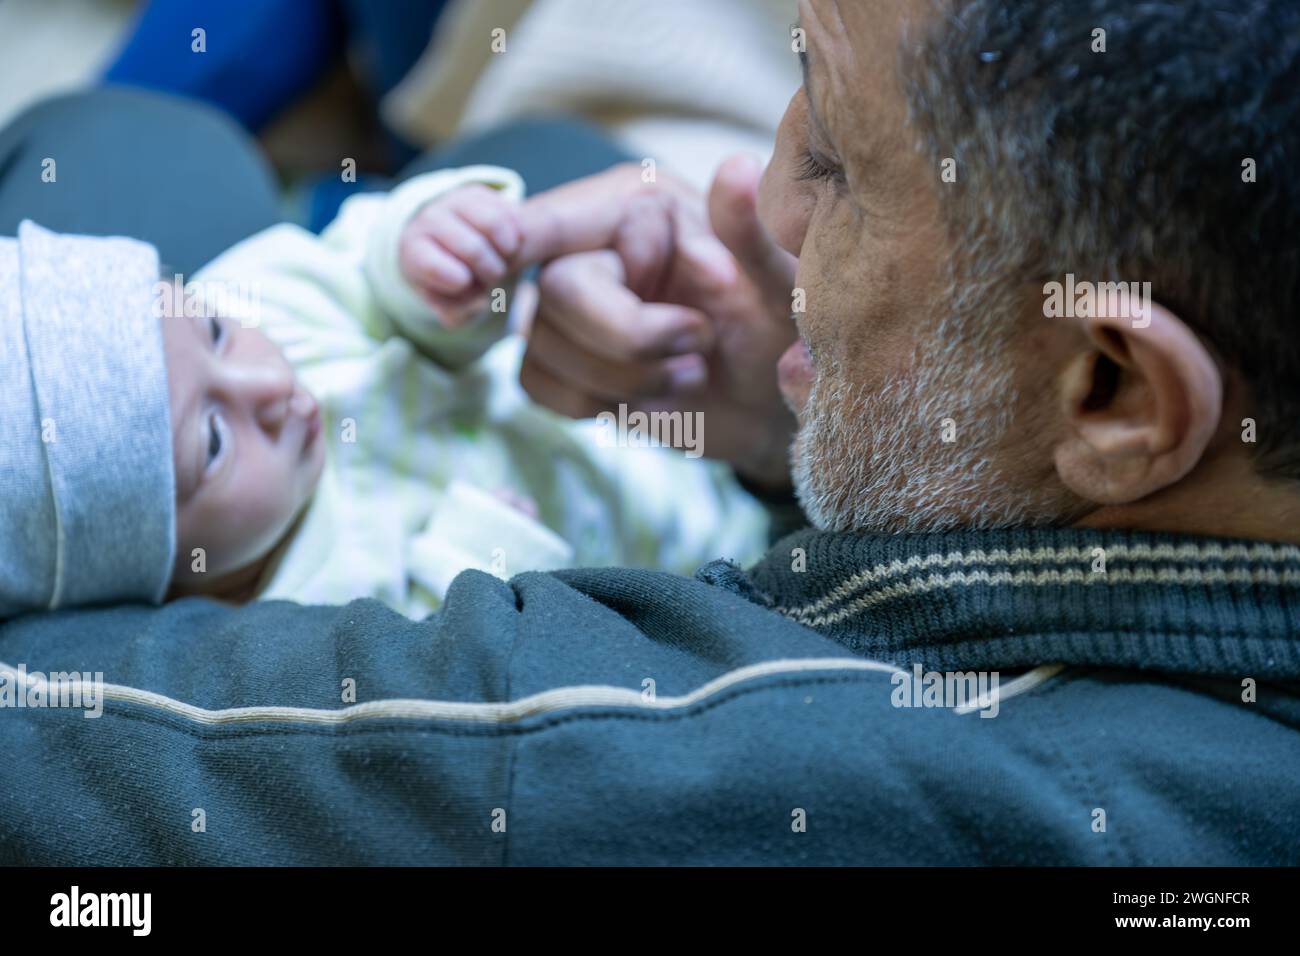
[818, 306]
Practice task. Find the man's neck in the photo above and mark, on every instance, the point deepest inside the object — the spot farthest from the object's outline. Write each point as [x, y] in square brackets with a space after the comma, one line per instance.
[1224, 498]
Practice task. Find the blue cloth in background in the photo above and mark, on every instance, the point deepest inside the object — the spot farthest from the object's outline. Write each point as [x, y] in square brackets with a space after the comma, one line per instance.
[388, 37]
[260, 55]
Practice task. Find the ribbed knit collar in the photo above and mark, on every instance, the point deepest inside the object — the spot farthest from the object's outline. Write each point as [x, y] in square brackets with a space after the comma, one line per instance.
[1025, 597]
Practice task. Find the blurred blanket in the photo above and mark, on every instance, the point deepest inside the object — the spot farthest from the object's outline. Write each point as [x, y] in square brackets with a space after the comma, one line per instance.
[681, 82]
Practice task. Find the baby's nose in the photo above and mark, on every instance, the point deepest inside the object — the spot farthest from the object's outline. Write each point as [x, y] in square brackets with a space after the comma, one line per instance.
[266, 388]
[272, 413]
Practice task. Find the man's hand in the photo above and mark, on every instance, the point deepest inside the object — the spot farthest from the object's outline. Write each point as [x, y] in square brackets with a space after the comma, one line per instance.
[670, 314]
[457, 246]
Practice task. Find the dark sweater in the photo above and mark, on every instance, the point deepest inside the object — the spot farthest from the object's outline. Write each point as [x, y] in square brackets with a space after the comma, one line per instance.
[621, 716]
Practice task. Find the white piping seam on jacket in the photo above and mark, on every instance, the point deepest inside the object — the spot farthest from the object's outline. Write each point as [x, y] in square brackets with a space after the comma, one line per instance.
[1071, 555]
[1018, 685]
[545, 702]
[937, 582]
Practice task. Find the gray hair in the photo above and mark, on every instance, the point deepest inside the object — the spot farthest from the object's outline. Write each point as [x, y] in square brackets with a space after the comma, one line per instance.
[1130, 164]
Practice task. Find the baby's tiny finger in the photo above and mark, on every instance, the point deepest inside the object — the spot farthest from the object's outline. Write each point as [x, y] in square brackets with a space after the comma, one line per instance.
[495, 218]
[471, 247]
[455, 311]
[433, 267]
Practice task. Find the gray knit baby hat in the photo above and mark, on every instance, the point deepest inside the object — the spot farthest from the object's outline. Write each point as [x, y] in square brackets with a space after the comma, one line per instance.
[87, 490]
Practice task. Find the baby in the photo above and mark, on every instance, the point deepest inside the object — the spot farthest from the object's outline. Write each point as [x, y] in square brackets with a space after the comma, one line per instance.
[341, 418]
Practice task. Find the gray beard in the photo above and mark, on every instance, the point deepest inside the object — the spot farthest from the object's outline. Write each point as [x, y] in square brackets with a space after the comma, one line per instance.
[876, 461]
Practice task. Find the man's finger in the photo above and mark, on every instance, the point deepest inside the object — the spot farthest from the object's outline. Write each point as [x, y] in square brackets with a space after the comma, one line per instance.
[550, 391]
[580, 216]
[733, 213]
[644, 242]
[586, 295]
[603, 378]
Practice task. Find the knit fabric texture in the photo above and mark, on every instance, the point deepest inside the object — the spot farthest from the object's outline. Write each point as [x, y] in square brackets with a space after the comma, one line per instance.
[85, 429]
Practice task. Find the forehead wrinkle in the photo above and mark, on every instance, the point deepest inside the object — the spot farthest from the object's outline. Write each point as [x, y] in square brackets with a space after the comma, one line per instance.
[810, 100]
[862, 107]
[832, 43]
[829, 47]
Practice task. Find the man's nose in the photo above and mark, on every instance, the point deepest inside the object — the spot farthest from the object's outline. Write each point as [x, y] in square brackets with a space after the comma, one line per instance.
[262, 389]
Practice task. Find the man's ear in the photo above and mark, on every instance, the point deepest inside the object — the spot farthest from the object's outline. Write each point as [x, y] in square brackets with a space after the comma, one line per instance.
[1141, 404]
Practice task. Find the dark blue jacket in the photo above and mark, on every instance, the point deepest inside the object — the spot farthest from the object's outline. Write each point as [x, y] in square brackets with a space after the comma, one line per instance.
[1146, 712]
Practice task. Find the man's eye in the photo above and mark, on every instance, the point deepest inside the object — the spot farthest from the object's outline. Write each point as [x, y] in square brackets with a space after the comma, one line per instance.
[214, 438]
[813, 168]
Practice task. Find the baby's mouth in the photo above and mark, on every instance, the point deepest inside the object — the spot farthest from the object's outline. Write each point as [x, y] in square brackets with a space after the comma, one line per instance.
[313, 428]
[303, 405]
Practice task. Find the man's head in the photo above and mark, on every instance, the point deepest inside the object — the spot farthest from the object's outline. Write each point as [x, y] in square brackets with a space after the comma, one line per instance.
[945, 162]
[246, 440]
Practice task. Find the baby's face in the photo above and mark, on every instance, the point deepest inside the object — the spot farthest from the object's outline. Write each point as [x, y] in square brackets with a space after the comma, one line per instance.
[247, 445]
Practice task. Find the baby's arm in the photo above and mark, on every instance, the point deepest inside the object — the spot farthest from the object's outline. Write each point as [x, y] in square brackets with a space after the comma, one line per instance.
[335, 296]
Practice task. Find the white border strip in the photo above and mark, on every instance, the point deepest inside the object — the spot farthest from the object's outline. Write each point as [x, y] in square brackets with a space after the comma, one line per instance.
[1019, 685]
[508, 712]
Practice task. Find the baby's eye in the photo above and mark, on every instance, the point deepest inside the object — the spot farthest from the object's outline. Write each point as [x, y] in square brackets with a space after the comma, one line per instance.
[214, 438]
[216, 330]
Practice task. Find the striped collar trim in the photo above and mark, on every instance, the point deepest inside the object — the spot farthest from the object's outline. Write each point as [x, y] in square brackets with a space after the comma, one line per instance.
[1167, 564]
[1197, 604]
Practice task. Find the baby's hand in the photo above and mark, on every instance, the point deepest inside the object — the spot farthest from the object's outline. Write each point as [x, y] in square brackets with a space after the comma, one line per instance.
[457, 247]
